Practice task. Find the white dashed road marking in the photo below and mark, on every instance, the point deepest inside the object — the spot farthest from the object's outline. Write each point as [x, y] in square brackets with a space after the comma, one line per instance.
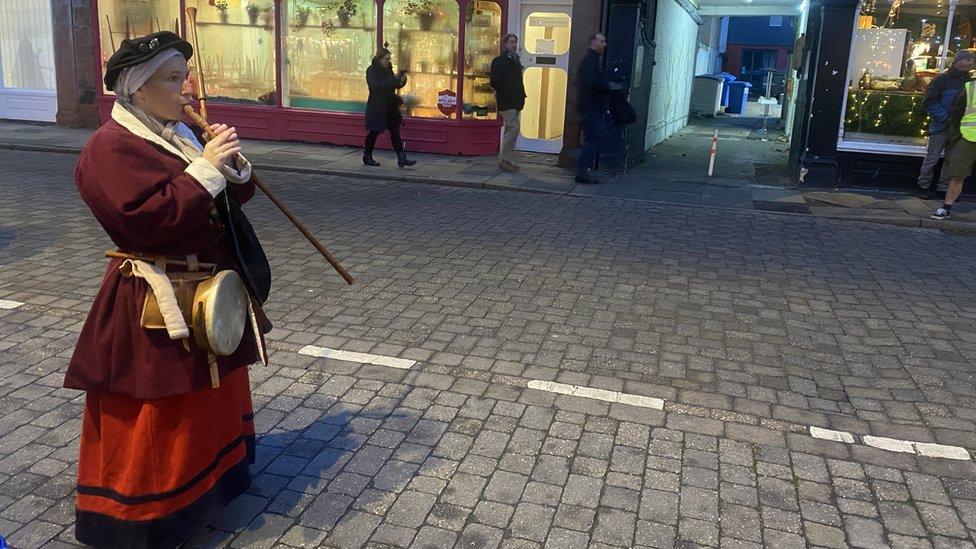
[597, 394]
[926, 449]
[362, 358]
[890, 444]
[827, 434]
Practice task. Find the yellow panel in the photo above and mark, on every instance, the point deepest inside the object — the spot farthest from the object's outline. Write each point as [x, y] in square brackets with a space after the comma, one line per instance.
[547, 33]
[545, 106]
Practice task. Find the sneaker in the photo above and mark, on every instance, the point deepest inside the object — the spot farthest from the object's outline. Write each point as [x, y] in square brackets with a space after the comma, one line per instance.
[507, 166]
[586, 180]
[941, 213]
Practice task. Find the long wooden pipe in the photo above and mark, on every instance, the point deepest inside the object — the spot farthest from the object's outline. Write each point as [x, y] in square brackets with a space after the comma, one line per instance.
[284, 209]
[201, 121]
[191, 13]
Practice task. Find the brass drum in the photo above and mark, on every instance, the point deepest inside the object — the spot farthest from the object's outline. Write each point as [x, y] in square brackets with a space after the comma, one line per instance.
[220, 313]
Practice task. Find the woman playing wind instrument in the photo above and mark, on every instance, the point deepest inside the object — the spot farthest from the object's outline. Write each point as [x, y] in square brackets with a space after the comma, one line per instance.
[168, 429]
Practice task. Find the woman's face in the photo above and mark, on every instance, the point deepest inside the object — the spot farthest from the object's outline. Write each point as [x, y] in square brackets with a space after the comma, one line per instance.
[166, 92]
[387, 61]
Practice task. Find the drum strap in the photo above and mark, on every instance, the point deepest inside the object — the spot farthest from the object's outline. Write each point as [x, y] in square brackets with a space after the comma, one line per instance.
[162, 287]
[258, 340]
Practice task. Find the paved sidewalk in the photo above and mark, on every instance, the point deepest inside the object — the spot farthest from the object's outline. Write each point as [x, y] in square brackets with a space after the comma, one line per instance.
[660, 180]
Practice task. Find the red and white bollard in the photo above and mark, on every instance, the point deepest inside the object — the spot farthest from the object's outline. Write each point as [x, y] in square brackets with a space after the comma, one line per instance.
[711, 160]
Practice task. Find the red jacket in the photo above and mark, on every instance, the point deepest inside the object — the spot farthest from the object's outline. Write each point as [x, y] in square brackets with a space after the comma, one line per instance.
[148, 204]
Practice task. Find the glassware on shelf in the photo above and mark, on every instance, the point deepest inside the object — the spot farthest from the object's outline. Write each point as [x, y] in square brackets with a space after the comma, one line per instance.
[482, 35]
[328, 58]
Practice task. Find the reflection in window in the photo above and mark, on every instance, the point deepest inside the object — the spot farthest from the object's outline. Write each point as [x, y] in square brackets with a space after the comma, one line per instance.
[237, 42]
[483, 24]
[963, 33]
[897, 51]
[121, 19]
[26, 51]
[328, 46]
[422, 36]
[545, 104]
[547, 33]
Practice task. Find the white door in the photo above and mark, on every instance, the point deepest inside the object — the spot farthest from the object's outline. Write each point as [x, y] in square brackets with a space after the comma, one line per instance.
[27, 82]
[544, 49]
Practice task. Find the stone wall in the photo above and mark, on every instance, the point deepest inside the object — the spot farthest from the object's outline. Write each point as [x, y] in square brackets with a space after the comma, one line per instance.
[707, 56]
[677, 39]
[587, 15]
[75, 63]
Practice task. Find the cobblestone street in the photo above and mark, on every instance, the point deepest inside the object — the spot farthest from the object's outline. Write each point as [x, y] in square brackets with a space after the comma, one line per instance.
[574, 372]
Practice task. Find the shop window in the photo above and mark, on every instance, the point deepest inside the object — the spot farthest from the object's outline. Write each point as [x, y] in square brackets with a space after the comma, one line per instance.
[482, 32]
[26, 52]
[328, 47]
[422, 36]
[547, 33]
[897, 50]
[237, 43]
[545, 107]
[121, 19]
[963, 33]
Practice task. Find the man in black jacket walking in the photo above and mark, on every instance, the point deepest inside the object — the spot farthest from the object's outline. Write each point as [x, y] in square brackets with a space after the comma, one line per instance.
[506, 80]
[592, 106]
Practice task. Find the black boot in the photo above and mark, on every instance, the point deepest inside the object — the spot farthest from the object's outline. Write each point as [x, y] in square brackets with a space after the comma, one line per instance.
[368, 160]
[403, 161]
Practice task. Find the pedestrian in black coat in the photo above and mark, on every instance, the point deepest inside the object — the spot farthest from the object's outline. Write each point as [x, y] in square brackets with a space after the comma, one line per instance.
[592, 106]
[383, 107]
[506, 80]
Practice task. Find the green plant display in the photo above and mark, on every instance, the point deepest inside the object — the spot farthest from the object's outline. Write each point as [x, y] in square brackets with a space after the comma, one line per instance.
[302, 14]
[348, 7]
[886, 113]
[421, 7]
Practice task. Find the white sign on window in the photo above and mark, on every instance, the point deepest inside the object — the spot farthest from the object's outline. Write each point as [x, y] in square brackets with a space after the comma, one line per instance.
[545, 46]
[551, 22]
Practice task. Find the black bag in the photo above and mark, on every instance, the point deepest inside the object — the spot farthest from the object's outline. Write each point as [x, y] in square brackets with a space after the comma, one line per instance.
[621, 109]
[250, 254]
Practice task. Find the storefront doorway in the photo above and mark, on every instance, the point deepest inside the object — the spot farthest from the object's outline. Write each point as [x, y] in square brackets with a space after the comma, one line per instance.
[545, 35]
[27, 78]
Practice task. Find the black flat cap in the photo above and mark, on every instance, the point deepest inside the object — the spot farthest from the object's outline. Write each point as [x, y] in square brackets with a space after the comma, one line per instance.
[134, 51]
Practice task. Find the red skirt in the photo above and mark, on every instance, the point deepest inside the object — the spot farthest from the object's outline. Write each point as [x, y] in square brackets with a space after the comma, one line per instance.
[152, 473]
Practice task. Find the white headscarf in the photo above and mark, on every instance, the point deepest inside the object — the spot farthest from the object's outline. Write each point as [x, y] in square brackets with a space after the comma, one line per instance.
[134, 77]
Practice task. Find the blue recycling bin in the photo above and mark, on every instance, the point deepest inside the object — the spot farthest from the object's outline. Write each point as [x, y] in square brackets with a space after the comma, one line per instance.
[738, 96]
[726, 80]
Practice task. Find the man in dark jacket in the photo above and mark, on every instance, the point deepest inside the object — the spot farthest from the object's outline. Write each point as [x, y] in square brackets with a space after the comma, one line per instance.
[506, 80]
[592, 106]
[939, 96]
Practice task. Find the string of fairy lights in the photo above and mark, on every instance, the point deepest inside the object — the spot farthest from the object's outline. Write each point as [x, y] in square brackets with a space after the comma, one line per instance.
[865, 113]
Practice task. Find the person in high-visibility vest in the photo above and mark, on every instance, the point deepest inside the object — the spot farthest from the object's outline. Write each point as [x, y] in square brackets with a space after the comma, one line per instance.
[939, 97]
[961, 150]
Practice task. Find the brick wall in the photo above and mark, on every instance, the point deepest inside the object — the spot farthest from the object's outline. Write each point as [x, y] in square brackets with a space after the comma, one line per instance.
[677, 39]
[75, 63]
